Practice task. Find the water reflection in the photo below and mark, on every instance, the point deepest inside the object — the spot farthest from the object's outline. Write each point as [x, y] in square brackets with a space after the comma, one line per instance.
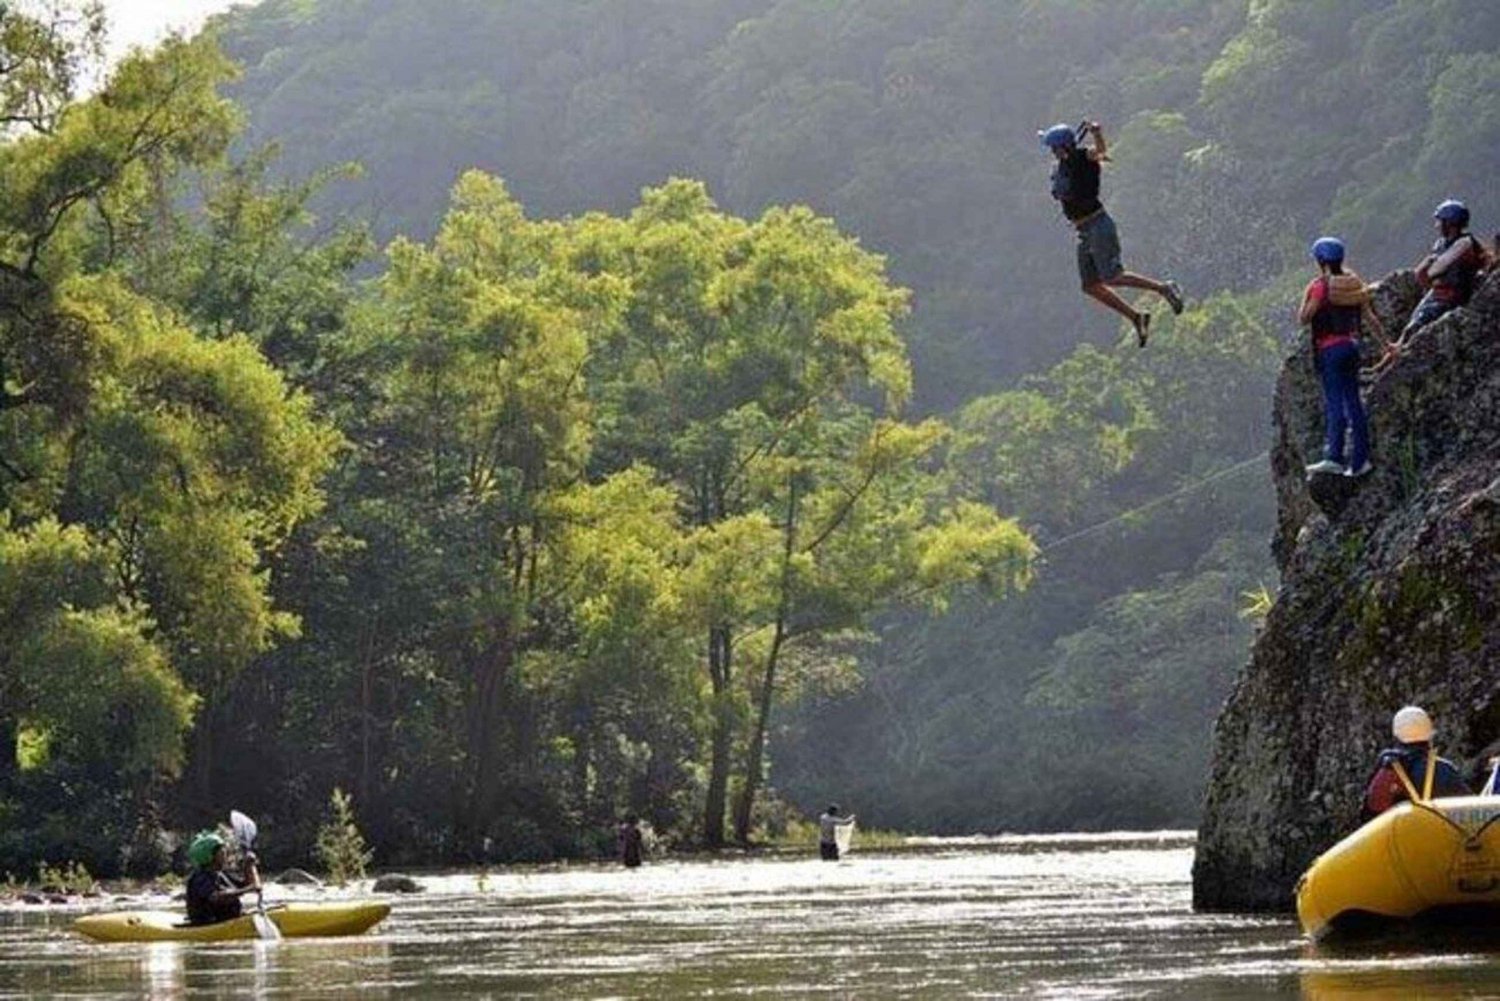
[1056, 917]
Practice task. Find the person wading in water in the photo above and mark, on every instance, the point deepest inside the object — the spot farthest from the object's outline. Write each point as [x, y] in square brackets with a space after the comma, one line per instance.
[1075, 184]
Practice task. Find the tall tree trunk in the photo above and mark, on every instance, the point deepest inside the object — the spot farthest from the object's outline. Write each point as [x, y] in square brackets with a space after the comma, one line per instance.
[490, 671]
[719, 653]
[7, 752]
[201, 758]
[755, 755]
[366, 712]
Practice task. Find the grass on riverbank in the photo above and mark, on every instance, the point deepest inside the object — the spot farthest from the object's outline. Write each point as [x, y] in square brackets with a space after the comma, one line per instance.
[802, 835]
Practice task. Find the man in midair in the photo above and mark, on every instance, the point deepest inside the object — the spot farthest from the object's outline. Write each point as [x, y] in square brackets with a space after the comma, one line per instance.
[1075, 184]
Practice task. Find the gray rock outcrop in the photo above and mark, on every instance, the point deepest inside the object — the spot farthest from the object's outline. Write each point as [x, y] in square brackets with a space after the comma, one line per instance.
[298, 877]
[1389, 595]
[395, 882]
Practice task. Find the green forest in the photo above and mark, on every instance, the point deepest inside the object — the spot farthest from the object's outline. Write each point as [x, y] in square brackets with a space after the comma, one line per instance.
[517, 414]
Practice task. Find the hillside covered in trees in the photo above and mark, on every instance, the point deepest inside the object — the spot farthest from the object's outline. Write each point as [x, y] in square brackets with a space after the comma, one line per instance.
[582, 450]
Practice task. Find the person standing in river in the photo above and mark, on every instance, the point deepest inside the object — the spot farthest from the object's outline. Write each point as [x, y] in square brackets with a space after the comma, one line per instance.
[631, 842]
[828, 832]
[1075, 185]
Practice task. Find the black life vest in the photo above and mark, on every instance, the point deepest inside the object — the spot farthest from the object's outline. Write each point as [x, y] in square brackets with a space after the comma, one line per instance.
[1334, 321]
[1075, 183]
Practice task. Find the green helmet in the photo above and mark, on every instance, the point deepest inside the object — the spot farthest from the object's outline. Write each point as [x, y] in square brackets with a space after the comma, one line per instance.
[201, 850]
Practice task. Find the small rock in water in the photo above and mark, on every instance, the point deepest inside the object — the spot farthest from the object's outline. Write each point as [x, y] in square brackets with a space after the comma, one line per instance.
[396, 883]
[33, 898]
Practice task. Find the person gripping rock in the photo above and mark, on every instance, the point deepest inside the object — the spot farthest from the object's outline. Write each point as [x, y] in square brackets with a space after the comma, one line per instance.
[1450, 271]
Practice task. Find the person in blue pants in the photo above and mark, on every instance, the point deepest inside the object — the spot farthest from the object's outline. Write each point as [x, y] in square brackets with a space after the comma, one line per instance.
[1336, 305]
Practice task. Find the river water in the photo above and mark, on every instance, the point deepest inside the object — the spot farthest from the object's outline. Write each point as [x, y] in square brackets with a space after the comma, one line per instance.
[1074, 917]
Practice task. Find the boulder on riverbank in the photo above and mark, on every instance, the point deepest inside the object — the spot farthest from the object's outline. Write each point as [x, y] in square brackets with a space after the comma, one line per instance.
[396, 883]
[1389, 595]
[298, 877]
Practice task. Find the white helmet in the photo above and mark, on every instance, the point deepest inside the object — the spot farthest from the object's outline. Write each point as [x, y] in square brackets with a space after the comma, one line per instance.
[1411, 725]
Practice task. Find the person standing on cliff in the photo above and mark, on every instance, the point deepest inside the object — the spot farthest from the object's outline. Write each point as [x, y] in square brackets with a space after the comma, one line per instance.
[1450, 270]
[1412, 728]
[1336, 305]
[1075, 184]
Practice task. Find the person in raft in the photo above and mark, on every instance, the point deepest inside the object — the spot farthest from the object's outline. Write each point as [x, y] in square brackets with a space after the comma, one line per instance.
[1450, 270]
[631, 842]
[213, 895]
[1336, 305]
[1412, 728]
[828, 832]
[1075, 184]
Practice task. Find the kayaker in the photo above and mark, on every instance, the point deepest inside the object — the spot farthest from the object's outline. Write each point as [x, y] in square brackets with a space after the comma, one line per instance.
[1075, 185]
[1412, 728]
[631, 842]
[1336, 305]
[1450, 270]
[828, 832]
[213, 895]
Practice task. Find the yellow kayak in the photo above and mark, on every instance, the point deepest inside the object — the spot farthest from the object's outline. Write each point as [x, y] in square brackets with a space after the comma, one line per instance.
[296, 920]
[1415, 857]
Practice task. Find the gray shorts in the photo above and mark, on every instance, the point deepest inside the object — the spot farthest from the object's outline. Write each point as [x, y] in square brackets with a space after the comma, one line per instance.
[1098, 250]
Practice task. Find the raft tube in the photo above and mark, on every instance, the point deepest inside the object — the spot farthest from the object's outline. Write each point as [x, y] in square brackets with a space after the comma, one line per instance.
[296, 920]
[1412, 859]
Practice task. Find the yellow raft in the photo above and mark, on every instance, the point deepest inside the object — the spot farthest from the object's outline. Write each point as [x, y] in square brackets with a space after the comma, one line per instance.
[295, 920]
[1418, 856]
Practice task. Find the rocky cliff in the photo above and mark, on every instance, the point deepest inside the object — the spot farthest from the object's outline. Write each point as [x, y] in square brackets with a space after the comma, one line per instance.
[1389, 593]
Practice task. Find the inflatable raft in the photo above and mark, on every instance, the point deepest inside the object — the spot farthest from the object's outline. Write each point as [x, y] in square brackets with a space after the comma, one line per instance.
[295, 920]
[1417, 857]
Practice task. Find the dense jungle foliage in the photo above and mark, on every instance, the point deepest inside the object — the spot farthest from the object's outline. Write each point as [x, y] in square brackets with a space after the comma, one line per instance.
[540, 429]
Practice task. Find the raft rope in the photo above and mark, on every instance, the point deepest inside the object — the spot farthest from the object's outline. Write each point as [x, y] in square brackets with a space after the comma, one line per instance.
[1156, 502]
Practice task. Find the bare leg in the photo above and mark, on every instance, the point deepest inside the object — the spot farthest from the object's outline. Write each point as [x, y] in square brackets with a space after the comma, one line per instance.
[1104, 294]
[1139, 320]
[1168, 290]
[1130, 279]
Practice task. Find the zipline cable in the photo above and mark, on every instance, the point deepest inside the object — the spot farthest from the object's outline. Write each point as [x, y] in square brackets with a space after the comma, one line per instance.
[1155, 502]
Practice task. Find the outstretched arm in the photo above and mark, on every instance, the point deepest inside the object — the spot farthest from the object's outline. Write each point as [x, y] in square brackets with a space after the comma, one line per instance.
[1100, 151]
[1372, 323]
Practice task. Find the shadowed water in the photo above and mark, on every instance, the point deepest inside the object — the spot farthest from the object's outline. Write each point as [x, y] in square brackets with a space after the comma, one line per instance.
[1025, 917]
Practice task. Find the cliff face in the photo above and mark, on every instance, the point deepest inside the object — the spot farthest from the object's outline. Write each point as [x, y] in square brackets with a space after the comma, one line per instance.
[1389, 595]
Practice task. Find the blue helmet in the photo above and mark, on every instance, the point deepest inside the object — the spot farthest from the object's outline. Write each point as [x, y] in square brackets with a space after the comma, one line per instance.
[1328, 250]
[1058, 136]
[1453, 212]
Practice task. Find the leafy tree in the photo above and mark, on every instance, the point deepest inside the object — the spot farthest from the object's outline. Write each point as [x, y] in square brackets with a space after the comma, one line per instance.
[152, 468]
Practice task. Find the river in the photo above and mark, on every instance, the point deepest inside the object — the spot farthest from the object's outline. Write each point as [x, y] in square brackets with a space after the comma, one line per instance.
[1066, 917]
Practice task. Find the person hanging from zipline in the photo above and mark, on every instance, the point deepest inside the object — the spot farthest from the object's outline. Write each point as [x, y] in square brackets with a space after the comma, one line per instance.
[1075, 184]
